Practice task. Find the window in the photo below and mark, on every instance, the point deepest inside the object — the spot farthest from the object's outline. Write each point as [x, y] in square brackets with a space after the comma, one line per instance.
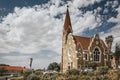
[85, 56]
[96, 54]
[70, 52]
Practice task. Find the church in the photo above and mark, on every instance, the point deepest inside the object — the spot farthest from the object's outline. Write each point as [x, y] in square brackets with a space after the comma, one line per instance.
[79, 52]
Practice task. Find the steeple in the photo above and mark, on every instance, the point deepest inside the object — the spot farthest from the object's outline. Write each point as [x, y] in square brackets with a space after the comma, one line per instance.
[67, 23]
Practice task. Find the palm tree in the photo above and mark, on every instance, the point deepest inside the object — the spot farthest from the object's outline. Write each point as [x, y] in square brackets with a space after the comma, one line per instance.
[31, 59]
[109, 41]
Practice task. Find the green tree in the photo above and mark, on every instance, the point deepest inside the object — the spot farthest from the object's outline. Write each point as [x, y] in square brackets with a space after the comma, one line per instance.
[117, 50]
[54, 66]
[109, 41]
[4, 65]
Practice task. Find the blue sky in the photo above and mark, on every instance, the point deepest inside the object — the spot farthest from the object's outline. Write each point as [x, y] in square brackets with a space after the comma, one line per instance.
[33, 28]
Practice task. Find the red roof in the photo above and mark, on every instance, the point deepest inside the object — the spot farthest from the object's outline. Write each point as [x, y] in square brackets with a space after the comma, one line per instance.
[13, 68]
[84, 41]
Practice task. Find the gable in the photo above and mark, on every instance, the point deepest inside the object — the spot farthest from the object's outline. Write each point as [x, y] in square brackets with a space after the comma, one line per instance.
[85, 42]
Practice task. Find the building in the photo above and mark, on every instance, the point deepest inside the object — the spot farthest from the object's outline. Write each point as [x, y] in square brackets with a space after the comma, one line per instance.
[79, 52]
[13, 69]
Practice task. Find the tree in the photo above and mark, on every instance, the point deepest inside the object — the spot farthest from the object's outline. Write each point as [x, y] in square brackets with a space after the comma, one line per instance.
[54, 66]
[109, 41]
[4, 65]
[117, 50]
[31, 59]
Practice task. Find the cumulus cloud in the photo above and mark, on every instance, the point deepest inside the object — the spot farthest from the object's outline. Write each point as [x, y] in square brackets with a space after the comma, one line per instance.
[84, 3]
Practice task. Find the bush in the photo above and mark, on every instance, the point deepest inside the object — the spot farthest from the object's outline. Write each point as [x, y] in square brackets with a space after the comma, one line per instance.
[33, 77]
[26, 73]
[90, 73]
[92, 65]
[37, 72]
[73, 72]
[103, 70]
[106, 78]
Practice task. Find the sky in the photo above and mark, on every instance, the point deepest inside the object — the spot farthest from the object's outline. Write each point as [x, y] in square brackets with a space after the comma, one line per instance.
[33, 28]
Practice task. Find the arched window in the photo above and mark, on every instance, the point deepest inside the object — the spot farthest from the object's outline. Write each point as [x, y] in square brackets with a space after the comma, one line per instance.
[69, 52]
[96, 54]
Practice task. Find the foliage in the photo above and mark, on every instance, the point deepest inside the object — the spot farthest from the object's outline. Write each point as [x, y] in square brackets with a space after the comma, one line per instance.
[92, 65]
[72, 72]
[103, 70]
[4, 65]
[38, 72]
[109, 39]
[106, 78]
[90, 73]
[26, 73]
[54, 66]
[32, 77]
[117, 50]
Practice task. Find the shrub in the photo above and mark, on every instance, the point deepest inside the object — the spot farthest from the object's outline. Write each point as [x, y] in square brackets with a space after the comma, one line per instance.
[26, 73]
[32, 77]
[103, 70]
[37, 72]
[106, 78]
[90, 73]
[92, 65]
[73, 72]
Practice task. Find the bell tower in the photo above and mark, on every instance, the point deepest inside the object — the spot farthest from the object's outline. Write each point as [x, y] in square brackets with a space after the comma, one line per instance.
[67, 29]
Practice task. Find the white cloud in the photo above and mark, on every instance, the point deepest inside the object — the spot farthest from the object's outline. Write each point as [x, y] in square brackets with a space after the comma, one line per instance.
[115, 3]
[99, 9]
[83, 3]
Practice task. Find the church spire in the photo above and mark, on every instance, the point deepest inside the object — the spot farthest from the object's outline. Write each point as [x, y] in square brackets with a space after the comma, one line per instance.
[67, 23]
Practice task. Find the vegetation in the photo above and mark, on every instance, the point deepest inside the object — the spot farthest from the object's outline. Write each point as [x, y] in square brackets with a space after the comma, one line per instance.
[103, 70]
[32, 77]
[92, 65]
[38, 72]
[73, 72]
[117, 50]
[4, 65]
[26, 73]
[54, 66]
